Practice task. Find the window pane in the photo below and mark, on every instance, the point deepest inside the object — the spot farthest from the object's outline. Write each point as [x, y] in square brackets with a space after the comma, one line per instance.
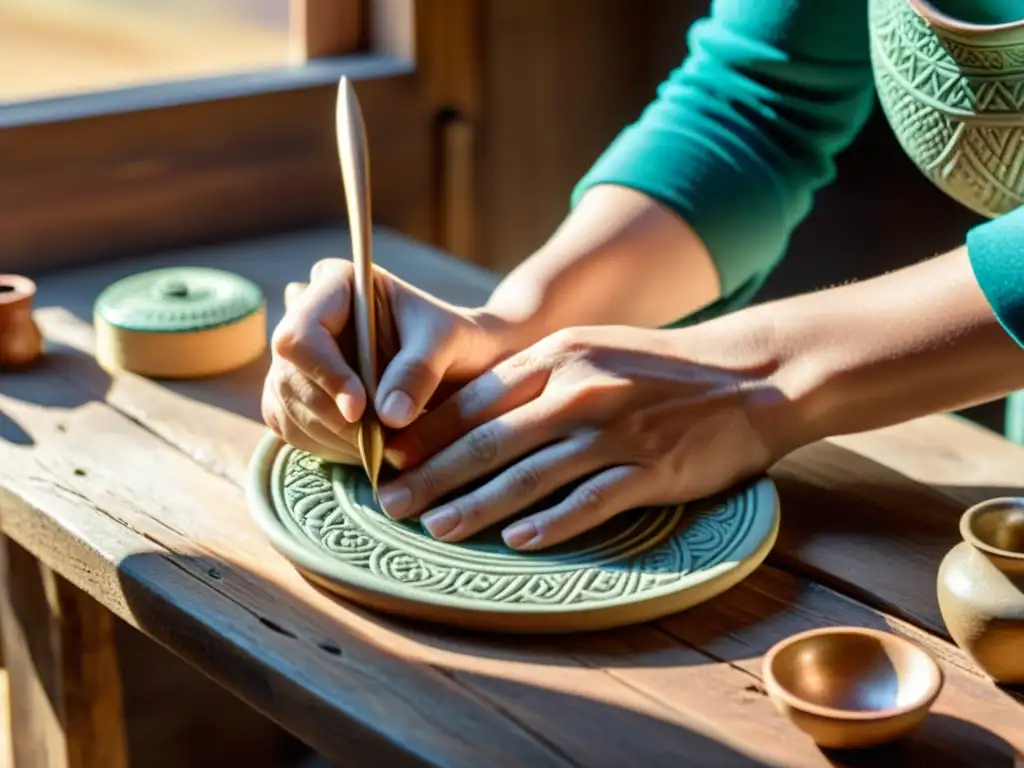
[58, 47]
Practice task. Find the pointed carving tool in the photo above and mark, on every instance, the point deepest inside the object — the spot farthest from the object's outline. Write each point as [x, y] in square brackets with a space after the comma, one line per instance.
[355, 172]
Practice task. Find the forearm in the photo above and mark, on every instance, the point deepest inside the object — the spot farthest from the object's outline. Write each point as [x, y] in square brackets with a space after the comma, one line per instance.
[619, 258]
[920, 340]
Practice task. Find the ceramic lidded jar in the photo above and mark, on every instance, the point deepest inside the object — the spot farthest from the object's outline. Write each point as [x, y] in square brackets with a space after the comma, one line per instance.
[20, 340]
[179, 323]
[950, 79]
[981, 588]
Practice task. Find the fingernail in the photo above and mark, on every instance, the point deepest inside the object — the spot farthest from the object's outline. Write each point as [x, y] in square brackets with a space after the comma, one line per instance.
[441, 522]
[347, 408]
[520, 534]
[395, 500]
[397, 408]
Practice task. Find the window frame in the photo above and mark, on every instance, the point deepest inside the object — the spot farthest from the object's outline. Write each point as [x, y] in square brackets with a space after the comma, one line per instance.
[171, 165]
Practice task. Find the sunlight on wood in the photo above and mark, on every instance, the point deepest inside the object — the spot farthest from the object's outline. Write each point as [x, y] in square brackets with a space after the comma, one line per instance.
[6, 758]
[63, 47]
[983, 462]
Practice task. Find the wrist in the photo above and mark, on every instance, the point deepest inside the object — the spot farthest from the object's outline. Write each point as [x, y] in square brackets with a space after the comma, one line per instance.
[503, 333]
[868, 355]
[520, 310]
[776, 381]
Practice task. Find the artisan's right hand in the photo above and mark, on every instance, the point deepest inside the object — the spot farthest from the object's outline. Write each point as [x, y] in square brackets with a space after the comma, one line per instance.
[313, 397]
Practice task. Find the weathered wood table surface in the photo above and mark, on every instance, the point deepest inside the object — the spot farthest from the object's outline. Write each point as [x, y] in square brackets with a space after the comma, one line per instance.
[120, 495]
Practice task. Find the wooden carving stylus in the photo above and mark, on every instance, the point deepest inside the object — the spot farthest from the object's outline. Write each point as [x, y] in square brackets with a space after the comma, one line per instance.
[355, 173]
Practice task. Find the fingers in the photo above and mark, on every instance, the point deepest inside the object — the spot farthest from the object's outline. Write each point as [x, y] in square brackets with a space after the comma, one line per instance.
[481, 451]
[420, 362]
[520, 486]
[292, 293]
[595, 501]
[327, 300]
[292, 435]
[410, 380]
[307, 337]
[304, 416]
[295, 389]
[509, 385]
[316, 353]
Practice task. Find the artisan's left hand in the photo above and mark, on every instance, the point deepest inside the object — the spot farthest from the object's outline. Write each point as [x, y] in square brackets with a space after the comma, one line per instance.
[641, 417]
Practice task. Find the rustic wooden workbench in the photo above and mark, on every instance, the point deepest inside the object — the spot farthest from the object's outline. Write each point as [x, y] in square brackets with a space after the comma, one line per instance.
[123, 496]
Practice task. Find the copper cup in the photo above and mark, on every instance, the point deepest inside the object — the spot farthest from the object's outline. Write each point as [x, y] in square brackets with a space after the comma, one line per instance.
[850, 687]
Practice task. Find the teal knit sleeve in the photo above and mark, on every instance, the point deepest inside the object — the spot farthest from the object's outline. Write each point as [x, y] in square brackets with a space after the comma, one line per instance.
[744, 132]
[995, 249]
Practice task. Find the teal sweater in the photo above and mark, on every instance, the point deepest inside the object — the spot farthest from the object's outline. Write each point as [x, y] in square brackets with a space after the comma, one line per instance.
[744, 133]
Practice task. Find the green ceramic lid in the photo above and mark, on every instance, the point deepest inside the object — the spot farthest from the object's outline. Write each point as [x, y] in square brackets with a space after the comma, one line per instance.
[178, 299]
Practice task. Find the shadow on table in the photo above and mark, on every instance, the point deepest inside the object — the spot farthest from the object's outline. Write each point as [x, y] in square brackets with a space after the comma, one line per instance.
[294, 683]
[239, 391]
[264, 661]
[942, 741]
[68, 355]
[46, 382]
[870, 531]
[43, 385]
[11, 432]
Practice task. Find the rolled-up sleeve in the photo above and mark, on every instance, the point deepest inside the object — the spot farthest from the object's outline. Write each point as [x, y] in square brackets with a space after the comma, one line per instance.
[743, 134]
[995, 249]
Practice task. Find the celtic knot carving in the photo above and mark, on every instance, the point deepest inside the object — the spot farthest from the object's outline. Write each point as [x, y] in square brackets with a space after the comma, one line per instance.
[652, 550]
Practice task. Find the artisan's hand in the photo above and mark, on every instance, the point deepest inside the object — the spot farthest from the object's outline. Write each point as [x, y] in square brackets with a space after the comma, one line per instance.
[641, 417]
[313, 397]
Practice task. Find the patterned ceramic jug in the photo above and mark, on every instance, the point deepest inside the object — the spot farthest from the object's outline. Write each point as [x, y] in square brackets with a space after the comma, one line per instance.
[950, 78]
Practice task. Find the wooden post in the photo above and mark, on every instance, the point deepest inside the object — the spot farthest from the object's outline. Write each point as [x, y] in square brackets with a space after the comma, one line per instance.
[451, 59]
[63, 676]
[326, 28]
[458, 192]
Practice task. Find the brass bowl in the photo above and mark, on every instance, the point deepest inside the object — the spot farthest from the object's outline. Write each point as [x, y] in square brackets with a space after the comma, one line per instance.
[850, 687]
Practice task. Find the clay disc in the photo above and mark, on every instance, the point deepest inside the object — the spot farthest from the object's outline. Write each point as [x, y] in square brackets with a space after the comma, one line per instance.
[639, 566]
[180, 322]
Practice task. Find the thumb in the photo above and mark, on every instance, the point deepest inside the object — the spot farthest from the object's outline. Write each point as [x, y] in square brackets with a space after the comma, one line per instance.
[410, 379]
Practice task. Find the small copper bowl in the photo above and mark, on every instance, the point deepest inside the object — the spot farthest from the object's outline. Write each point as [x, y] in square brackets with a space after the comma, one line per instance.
[850, 687]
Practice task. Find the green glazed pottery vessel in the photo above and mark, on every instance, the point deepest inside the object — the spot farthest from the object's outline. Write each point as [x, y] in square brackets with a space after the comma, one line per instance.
[180, 322]
[950, 79]
[639, 566]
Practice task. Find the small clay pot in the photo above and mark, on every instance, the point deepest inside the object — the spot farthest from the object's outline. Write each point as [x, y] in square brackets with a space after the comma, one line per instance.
[851, 687]
[20, 340]
[981, 588]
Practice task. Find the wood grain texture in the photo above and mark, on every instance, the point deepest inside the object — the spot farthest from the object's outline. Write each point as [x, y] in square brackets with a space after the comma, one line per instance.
[161, 536]
[195, 173]
[63, 673]
[176, 716]
[874, 514]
